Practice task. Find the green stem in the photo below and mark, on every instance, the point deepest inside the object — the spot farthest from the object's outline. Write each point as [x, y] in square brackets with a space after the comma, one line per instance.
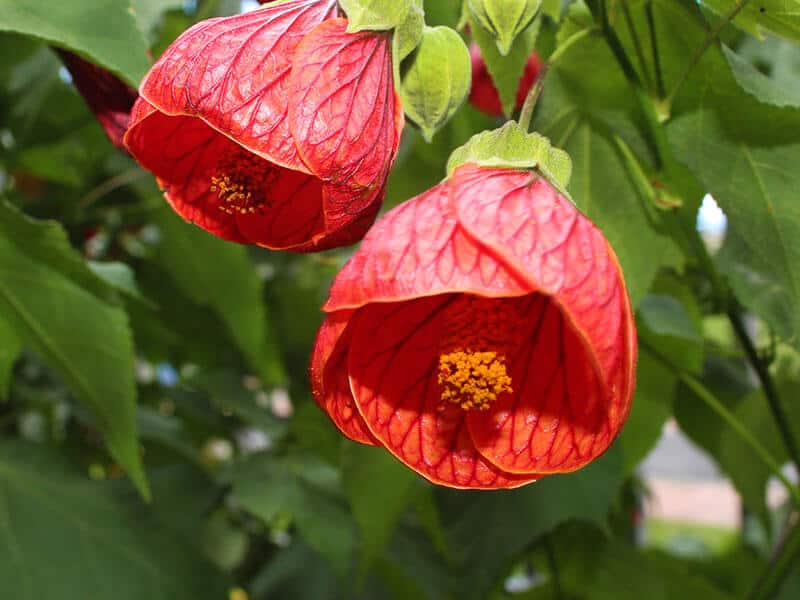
[729, 418]
[770, 582]
[651, 25]
[637, 44]
[767, 384]
[701, 50]
[526, 114]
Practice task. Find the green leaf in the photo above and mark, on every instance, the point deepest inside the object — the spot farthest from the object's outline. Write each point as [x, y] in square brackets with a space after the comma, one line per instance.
[10, 347]
[779, 16]
[591, 566]
[408, 34]
[379, 489]
[306, 490]
[375, 15]
[149, 14]
[219, 275]
[552, 8]
[299, 573]
[103, 31]
[435, 79]
[481, 531]
[46, 296]
[65, 537]
[666, 316]
[506, 71]
[586, 102]
[119, 276]
[511, 147]
[504, 20]
[745, 153]
[759, 85]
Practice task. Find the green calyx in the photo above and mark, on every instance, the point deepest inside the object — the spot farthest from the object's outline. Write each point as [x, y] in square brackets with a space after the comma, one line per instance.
[408, 34]
[504, 20]
[435, 79]
[405, 18]
[376, 15]
[513, 148]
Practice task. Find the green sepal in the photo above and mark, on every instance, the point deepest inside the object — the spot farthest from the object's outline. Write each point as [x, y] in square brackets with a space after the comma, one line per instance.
[504, 19]
[375, 15]
[514, 148]
[436, 79]
[408, 34]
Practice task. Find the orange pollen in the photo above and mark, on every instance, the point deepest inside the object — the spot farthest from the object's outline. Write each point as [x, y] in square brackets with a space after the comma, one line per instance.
[473, 380]
[241, 183]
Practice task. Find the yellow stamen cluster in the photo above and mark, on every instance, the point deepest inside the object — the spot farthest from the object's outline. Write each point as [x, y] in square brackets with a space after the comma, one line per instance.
[241, 183]
[473, 380]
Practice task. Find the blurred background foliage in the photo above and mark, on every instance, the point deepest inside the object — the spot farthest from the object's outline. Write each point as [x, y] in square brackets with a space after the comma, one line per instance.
[141, 358]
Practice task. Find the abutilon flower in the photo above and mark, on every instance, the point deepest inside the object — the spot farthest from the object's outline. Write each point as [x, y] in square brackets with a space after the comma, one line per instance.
[109, 98]
[275, 127]
[482, 334]
[484, 95]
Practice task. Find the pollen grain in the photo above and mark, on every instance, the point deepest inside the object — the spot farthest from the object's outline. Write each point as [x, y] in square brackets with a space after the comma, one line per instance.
[473, 380]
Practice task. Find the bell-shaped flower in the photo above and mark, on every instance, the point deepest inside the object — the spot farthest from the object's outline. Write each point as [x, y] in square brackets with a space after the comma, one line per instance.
[275, 127]
[482, 334]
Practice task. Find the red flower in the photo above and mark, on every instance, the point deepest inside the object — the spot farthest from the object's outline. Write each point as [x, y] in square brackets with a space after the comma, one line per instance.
[484, 95]
[275, 127]
[482, 334]
[109, 98]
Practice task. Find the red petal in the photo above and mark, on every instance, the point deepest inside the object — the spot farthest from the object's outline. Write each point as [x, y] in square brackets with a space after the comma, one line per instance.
[329, 380]
[484, 95]
[108, 97]
[419, 249]
[233, 72]
[393, 361]
[542, 236]
[555, 421]
[344, 114]
[184, 153]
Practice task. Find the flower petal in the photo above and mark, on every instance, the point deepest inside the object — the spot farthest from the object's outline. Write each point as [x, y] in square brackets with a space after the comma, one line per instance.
[186, 155]
[392, 363]
[109, 98]
[344, 114]
[329, 381]
[183, 153]
[419, 249]
[233, 73]
[555, 421]
[542, 236]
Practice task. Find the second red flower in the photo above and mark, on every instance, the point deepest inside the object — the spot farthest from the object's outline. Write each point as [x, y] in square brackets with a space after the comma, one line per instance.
[275, 127]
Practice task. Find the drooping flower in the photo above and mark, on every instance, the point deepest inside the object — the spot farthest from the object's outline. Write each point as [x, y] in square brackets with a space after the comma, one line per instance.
[109, 98]
[484, 95]
[275, 127]
[482, 334]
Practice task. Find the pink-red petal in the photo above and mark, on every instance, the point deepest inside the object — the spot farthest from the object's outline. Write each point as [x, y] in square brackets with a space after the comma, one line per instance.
[330, 383]
[185, 154]
[393, 360]
[419, 249]
[541, 235]
[233, 72]
[344, 114]
[555, 420]
[109, 98]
